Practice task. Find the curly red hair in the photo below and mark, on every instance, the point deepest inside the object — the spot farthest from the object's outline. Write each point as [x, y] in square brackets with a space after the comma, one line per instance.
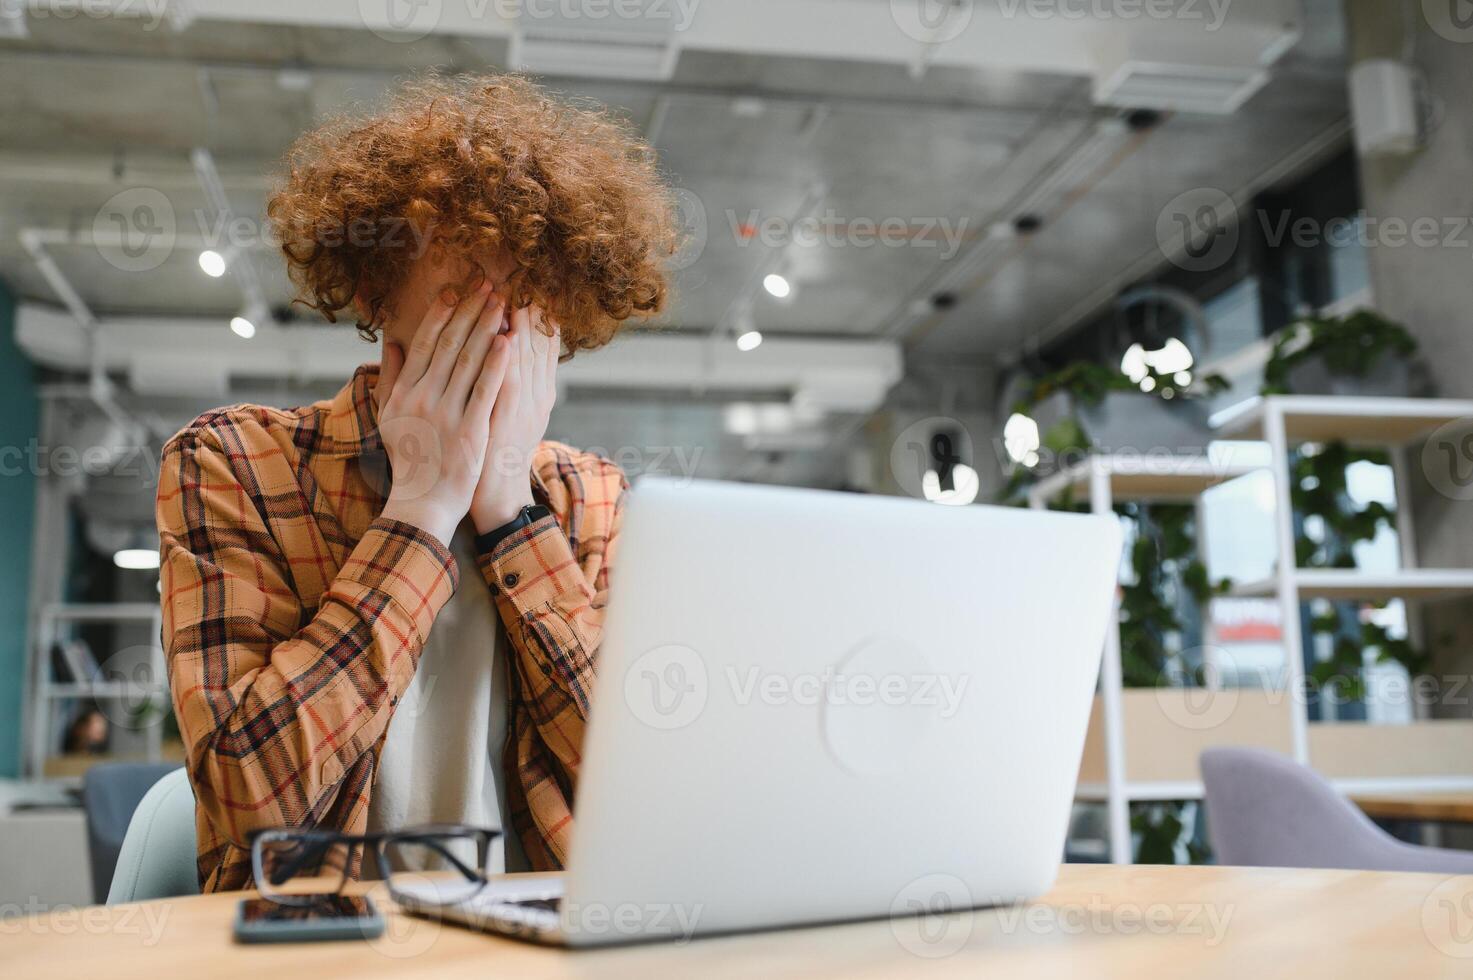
[480, 167]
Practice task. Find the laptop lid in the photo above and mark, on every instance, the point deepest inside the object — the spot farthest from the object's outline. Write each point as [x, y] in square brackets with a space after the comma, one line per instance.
[818, 706]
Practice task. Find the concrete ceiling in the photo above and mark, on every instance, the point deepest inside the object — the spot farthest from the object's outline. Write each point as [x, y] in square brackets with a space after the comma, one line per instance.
[97, 105]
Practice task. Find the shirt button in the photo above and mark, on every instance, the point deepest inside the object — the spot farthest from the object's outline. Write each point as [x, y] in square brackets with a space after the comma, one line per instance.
[511, 580]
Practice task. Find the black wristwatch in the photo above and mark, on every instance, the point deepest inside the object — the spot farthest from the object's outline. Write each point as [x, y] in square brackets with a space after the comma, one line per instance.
[529, 515]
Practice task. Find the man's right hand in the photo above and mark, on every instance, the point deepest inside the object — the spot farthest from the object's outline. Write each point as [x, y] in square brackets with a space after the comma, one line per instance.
[435, 410]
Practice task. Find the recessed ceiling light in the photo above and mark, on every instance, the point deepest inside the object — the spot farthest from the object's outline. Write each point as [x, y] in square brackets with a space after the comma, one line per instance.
[212, 263]
[750, 340]
[136, 558]
[777, 285]
[242, 327]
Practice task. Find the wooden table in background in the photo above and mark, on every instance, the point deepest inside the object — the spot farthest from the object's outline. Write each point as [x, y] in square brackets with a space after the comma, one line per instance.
[1098, 921]
[1432, 807]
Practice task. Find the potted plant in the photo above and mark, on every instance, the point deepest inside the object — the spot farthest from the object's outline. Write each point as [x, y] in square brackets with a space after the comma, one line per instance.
[1090, 406]
[1363, 353]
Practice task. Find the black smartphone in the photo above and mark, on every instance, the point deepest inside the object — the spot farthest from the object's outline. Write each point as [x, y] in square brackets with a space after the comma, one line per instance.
[328, 917]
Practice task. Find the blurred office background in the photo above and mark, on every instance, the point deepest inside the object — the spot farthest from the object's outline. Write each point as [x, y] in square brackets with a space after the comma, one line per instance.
[946, 250]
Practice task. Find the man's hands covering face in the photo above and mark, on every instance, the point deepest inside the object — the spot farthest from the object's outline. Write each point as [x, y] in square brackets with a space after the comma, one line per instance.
[519, 420]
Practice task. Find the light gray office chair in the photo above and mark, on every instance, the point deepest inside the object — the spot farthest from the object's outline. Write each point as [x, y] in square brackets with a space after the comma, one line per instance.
[157, 859]
[1265, 810]
[111, 792]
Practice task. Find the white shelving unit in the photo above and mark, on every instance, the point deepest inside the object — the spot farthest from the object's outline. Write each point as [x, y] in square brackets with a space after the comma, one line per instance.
[1143, 744]
[1104, 480]
[52, 622]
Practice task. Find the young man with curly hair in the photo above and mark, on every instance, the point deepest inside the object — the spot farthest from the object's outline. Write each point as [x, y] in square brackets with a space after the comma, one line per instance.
[327, 665]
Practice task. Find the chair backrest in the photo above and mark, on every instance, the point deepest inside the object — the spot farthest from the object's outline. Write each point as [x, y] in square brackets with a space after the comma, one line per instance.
[1265, 810]
[111, 793]
[157, 859]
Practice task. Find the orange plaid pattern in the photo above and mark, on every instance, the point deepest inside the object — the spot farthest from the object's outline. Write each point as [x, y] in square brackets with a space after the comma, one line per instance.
[294, 615]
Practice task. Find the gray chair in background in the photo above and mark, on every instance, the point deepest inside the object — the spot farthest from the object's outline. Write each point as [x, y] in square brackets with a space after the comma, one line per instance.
[1265, 810]
[111, 793]
[158, 855]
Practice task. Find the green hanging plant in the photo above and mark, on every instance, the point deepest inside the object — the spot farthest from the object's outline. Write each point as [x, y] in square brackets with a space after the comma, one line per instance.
[1351, 346]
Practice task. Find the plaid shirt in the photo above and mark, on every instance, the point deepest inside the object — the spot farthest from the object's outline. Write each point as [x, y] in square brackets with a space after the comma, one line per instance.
[294, 616]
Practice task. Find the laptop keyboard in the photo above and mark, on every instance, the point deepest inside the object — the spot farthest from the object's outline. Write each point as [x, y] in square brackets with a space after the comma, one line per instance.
[541, 904]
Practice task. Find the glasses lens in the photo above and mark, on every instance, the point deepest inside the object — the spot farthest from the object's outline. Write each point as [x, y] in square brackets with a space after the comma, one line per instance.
[296, 868]
[438, 868]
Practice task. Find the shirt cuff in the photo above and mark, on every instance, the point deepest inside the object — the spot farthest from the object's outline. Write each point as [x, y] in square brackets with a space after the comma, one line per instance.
[530, 566]
[408, 565]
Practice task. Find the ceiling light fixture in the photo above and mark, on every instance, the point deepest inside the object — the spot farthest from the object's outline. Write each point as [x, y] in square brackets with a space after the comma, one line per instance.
[212, 263]
[750, 340]
[136, 558]
[777, 285]
[242, 326]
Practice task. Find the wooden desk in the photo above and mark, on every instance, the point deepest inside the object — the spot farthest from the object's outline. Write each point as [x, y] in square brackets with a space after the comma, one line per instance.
[1432, 807]
[1099, 921]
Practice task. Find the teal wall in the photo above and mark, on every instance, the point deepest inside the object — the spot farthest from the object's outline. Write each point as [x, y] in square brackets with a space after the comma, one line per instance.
[20, 415]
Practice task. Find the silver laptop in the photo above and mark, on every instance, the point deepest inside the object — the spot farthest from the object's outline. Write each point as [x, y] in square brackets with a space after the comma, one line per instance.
[815, 707]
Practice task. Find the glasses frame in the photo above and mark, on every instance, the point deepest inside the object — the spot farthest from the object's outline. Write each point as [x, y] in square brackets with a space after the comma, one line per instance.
[317, 842]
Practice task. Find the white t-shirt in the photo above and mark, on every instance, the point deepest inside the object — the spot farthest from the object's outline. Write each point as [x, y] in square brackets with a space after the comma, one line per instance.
[441, 760]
